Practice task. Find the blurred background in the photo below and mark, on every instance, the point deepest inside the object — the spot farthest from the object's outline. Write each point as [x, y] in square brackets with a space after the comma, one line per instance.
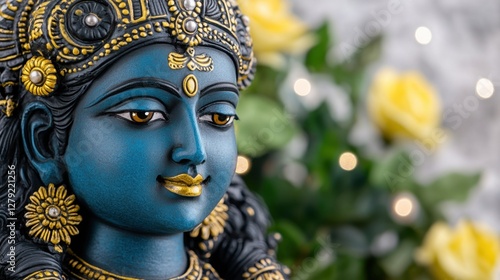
[371, 133]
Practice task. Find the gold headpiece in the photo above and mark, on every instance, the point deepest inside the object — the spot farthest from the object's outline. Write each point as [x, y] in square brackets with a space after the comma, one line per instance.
[45, 43]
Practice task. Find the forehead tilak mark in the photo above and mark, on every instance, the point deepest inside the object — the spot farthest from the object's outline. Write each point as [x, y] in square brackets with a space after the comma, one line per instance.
[202, 62]
[190, 85]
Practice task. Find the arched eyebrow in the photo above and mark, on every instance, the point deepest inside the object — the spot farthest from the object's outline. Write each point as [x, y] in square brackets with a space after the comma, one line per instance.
[220, 87]
[144, 82]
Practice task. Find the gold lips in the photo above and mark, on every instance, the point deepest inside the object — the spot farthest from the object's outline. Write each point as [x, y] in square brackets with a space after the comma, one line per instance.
[184, 185]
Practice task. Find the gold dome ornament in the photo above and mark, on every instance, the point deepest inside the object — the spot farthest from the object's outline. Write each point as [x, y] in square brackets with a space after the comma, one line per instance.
[52, 216]
[265, 269]
[44, 275]
[39, 76]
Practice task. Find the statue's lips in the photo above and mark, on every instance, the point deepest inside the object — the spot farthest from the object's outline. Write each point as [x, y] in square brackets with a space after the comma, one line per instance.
[184, 184]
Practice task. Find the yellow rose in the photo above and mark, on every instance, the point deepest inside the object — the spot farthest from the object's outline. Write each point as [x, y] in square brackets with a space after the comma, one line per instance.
[404, 105]
[468, 252]
[275, 30]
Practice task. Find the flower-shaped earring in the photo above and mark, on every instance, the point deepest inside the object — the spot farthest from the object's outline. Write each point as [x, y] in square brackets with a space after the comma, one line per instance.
[52, 216]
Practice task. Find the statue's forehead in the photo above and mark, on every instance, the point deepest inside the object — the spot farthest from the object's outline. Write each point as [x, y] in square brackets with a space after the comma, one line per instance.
[153, 61]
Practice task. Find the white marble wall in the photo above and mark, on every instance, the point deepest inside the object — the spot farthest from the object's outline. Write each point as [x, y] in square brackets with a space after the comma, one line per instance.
[465, 47]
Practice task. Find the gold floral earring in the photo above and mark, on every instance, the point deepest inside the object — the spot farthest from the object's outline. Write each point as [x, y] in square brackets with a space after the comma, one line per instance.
[52, 216]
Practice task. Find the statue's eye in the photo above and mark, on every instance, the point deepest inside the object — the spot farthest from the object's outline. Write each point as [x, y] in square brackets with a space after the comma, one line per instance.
[141, 117]
[218, 119]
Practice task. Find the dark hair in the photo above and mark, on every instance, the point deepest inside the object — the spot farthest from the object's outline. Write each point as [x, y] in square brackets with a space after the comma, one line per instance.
[30, 256]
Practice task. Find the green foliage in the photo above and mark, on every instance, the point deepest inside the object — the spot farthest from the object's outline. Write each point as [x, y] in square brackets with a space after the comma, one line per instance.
[258, 133]
[332, 220]
[454, 186]
[317, 57]
[395, 263]
[344, 267]
[449, 187]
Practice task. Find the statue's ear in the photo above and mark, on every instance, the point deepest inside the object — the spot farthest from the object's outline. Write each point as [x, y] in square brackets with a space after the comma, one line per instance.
[40, 143]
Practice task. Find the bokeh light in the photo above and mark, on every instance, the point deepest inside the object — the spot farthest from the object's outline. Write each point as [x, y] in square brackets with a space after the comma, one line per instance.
[423, 35]
[485, 88]
[403, 207]
[242, 165]
[302, 87]
[348, 161]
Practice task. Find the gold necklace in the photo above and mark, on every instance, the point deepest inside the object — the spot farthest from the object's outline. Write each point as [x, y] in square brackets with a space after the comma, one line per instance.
[78, 268]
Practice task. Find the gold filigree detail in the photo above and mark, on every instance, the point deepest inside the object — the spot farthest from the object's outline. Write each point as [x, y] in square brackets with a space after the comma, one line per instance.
[48, 78]
[9, 83]
[83, 270]
[180, 19]
[10, 106]
[213, 225]
[190, 85]
[201, 62]
[44, 275]
[36, 22]
[52, 216]
[46, 28]
[264, 269]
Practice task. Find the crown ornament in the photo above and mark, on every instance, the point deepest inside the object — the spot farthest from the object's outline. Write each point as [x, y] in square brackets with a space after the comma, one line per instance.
[48, 42]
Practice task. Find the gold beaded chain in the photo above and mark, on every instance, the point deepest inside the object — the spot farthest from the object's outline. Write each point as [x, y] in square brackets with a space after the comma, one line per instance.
[80, 269]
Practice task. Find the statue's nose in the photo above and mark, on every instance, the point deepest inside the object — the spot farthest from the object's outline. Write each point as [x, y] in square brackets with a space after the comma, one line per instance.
[189, 148]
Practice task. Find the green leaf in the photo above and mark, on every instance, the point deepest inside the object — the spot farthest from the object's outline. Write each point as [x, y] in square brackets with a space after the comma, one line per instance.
[325, 272]
[266, 82]
[342, 268]
[351, 72]
[349, 267]
[327, 140]
[393, 173]
[316, 59]
[319, 264]
[263, 126]
[396, 263]
[293, 243]
[450, 187]
[351, 239]
[365, 55]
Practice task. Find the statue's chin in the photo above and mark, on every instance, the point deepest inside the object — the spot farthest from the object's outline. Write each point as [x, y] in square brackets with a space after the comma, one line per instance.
[188, 215]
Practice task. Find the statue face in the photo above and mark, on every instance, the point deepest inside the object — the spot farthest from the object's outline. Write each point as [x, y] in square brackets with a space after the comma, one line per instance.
[136, 125]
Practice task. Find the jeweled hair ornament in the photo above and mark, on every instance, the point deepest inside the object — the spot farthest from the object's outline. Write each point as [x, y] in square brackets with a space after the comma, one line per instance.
[44, 44]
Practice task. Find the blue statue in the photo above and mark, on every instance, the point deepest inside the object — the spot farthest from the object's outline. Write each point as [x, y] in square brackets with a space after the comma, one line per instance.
[117, 142]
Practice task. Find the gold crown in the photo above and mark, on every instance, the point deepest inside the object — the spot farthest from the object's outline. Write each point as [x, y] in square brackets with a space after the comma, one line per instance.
[44, 43]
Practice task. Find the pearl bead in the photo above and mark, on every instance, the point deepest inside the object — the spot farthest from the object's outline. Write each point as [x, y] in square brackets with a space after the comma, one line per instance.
[189, 4]
[91, 20]
[36, 77]
[246, 20]
[54, 212]
[191, 26]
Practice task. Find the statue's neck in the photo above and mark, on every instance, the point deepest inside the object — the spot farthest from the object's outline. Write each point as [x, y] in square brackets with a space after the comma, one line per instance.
[129, 253]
